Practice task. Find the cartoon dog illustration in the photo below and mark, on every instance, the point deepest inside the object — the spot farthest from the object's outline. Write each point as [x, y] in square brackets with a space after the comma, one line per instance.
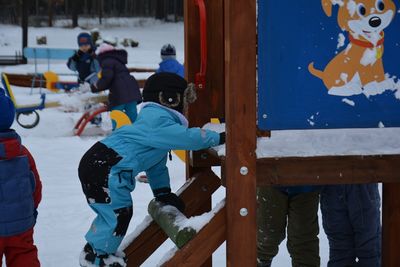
[364, 21]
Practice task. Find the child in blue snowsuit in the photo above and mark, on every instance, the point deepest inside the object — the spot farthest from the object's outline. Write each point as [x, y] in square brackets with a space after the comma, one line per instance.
[107, 171]
[351, 220]
[84, 61]
[169, 62]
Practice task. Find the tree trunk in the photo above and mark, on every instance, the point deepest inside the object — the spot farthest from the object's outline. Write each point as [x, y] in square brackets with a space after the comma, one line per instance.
[100, 5]
[75, 4]
[160, 10]
[50, 12]
[24, 24]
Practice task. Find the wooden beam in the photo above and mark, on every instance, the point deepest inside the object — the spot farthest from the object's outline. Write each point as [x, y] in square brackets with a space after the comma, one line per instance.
[328, 170]
[167, 218]
[202, 245]
[240, 96]
[391, 224]
[199, 191]
[204, 158]
[210, 100]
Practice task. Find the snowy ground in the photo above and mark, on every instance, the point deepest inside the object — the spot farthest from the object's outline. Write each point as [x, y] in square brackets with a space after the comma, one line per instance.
[64, 216]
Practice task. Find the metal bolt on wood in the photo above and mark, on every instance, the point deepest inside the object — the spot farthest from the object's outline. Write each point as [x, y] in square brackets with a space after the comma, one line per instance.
[244, 170]
[244, 212]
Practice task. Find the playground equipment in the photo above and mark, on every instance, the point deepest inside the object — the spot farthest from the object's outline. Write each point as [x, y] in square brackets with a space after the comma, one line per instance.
[31, 110]
[88, 116]
[230, 92]
[54, 84]
[49, 54]
[27, 110]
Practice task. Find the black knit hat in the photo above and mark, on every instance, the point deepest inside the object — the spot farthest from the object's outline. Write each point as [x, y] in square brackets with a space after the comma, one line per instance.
[167, 89]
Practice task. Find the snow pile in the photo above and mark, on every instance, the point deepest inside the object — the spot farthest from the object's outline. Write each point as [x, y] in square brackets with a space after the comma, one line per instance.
[330, 142]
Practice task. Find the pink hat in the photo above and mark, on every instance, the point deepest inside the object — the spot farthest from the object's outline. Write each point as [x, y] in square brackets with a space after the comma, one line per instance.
[104, 48]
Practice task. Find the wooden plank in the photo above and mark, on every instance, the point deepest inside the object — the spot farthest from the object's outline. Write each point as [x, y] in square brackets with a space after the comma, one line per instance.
[210, 100]
[391, 225]
[240, 89]
[25, 80]
[152, 237]
[136, 69]
[204, 158]
[328, 170]
[203, 245]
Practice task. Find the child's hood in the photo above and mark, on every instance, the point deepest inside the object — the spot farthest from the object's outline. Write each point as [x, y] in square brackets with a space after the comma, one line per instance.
[117, 54]
[180, 118]
[10, 144]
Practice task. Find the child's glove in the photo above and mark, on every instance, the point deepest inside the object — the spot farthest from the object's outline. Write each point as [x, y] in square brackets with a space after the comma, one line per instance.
[93, 88]
[173, 200]
[77, 55]
[222, 138]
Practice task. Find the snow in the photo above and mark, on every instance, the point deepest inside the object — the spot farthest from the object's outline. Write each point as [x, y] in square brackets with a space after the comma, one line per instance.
[306, 143]
[341, 40]
[64, 216]
[349, 102]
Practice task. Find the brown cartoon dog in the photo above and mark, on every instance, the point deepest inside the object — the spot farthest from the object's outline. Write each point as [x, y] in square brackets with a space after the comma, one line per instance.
[361, 62]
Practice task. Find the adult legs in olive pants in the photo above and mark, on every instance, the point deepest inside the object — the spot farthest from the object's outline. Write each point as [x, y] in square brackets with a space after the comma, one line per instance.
[298, 213]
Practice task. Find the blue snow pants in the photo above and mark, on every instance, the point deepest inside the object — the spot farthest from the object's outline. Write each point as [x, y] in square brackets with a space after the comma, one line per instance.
[108, 193]
[351, 220]
[129, 109]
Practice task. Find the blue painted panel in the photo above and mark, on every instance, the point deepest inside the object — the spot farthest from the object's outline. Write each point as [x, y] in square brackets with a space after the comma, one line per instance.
[47, 53]
[296, 33]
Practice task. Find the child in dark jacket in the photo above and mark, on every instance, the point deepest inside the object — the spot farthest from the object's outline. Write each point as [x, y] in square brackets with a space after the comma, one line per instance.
[20, 193]
[292, 210]
[124, 90]
[352, 222]
[169, 62]
[84, 61]
[107, 170]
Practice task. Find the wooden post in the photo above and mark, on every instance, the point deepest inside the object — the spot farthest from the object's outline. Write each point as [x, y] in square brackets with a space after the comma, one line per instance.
[391, 225]
[210, 100]
[240, 91]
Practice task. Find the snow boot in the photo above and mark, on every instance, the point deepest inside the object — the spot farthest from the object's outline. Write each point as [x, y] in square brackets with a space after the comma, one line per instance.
[89, 258]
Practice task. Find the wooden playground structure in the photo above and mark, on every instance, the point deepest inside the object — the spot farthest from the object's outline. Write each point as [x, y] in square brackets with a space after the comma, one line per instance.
[229, 91]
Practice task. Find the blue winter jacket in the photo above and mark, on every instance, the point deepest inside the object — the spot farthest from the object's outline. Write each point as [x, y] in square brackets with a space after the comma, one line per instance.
[17, 185]
[173, 66]
[145, 144]
[85, 65]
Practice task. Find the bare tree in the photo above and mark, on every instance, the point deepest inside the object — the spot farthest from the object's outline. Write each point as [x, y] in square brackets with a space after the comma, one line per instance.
[75, 7]
[50, 12]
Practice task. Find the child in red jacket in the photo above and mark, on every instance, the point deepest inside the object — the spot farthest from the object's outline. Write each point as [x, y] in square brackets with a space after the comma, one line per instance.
[20, 193]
